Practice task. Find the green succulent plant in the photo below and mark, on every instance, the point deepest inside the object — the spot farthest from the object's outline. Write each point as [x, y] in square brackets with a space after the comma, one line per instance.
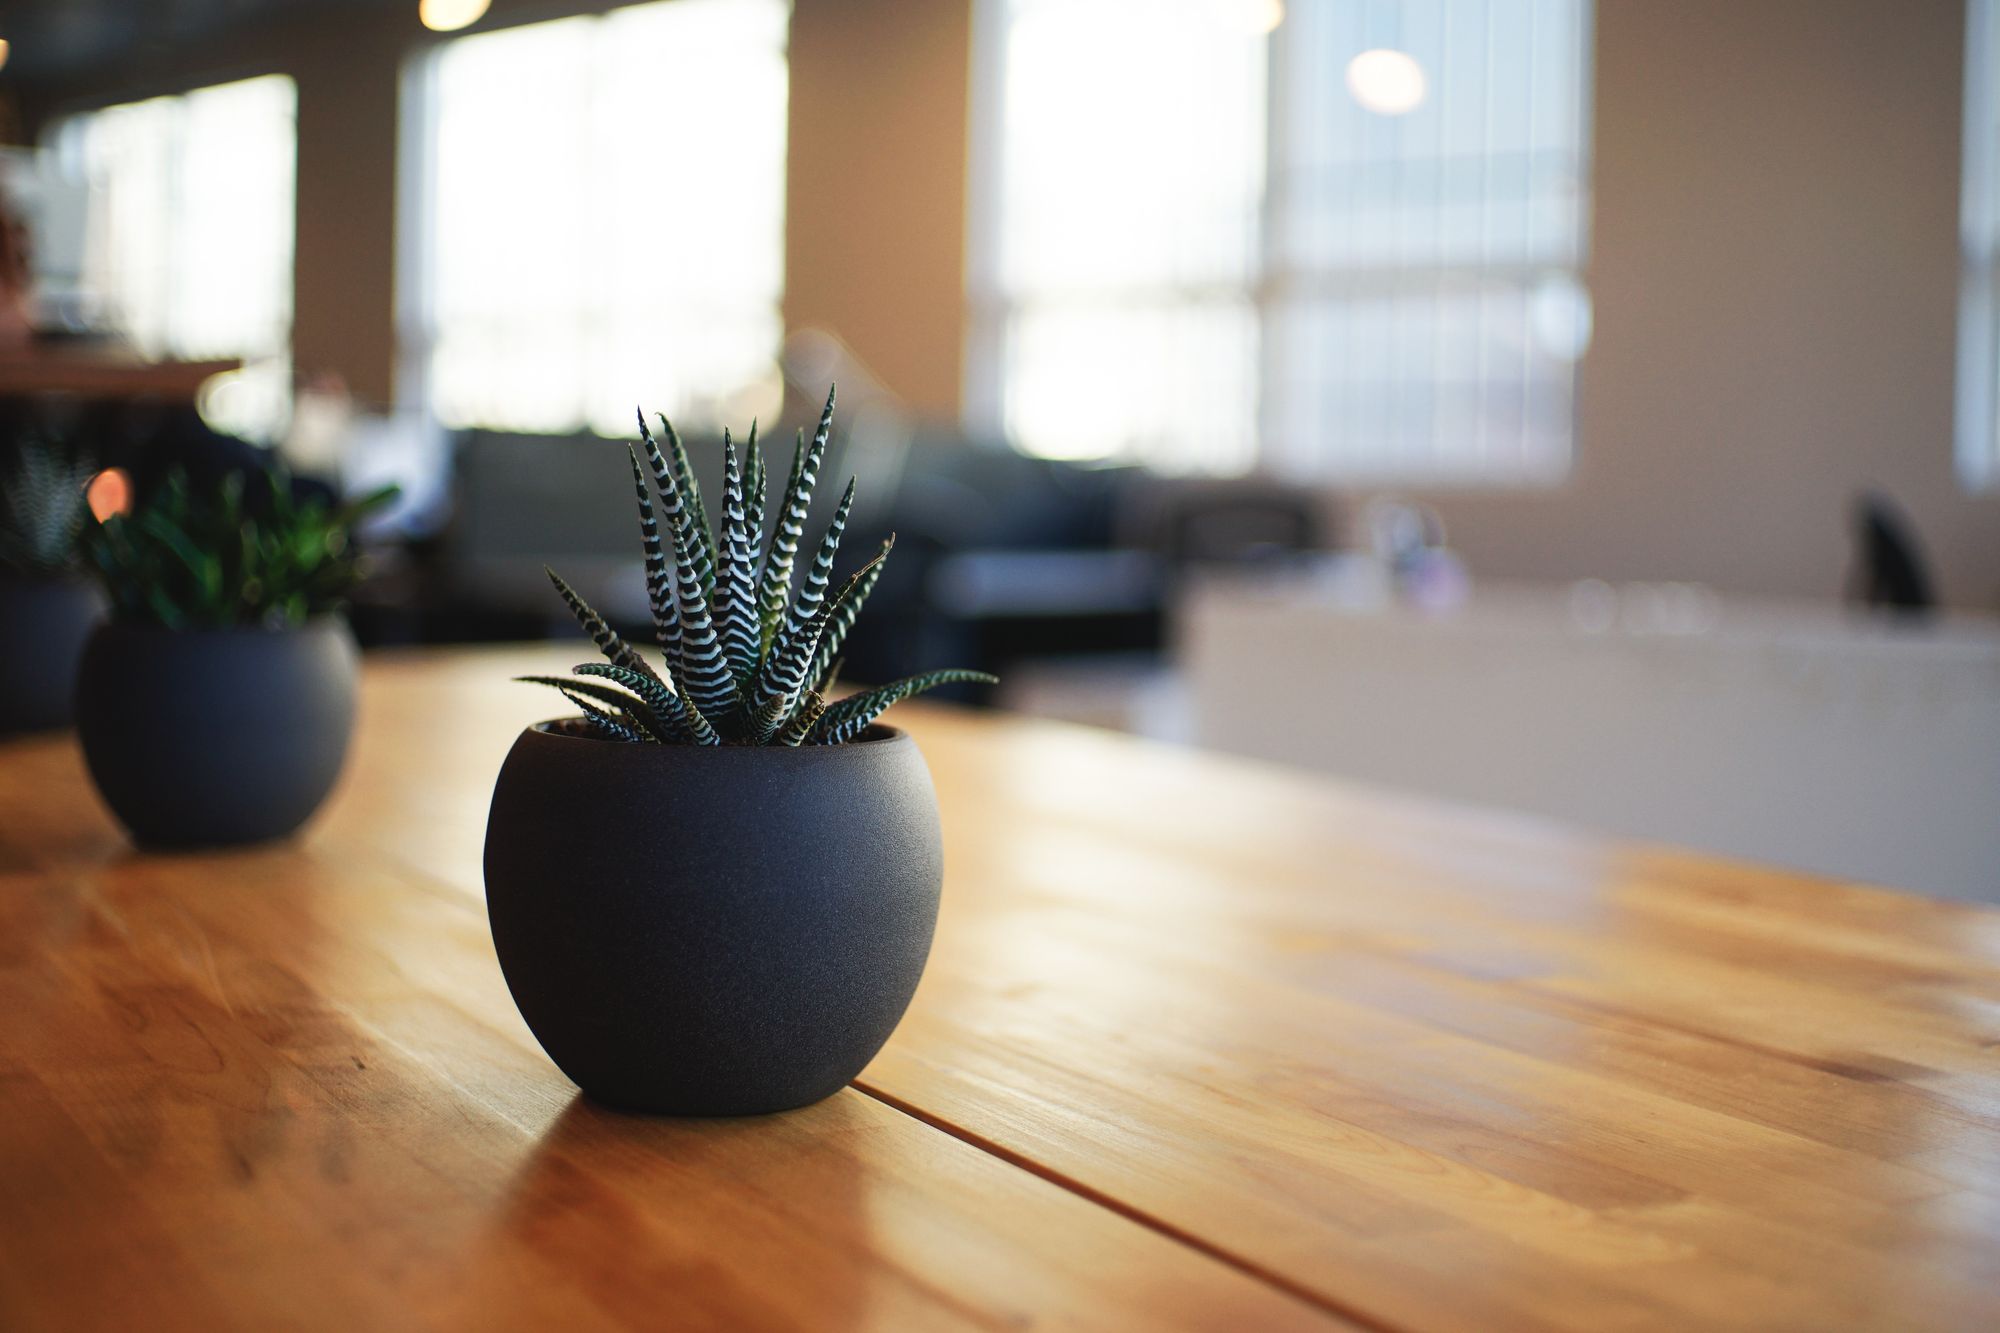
[43, 508]
[750, 658]
[195, 558]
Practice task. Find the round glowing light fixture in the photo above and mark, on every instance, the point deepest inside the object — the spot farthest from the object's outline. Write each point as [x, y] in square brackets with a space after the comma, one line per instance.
[450, 15]
[5, 51]
[1264, 15]
[1389, 83]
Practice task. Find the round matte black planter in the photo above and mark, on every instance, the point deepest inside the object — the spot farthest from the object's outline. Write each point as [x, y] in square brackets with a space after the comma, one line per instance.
[721, 930]
[202, 738]
[43, 624]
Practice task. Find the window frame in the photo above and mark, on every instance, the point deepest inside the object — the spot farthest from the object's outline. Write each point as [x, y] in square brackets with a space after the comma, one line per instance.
[417, 314]
[279, 357]
[989, 308]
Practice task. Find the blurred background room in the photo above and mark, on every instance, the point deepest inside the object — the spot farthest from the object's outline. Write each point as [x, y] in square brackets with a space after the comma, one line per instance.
[1588, 408]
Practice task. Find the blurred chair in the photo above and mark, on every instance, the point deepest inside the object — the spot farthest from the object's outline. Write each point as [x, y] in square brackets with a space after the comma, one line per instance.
[1000, 557]
[1889, 572]
[517, 503]
[1236, 523]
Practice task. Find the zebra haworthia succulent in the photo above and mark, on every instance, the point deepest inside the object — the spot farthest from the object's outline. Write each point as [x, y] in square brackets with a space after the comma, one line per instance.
[43, 509]
[749, 654]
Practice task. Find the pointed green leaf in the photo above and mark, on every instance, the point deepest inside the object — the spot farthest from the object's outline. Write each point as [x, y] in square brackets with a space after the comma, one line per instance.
[801, 722]
[659, 582]
[783, 676]
[683, 722]
[736, 581]
[629, 712]
[698, 664]
[603, 721]
[821, 671]
[813, 591]
[755, 485]
[607, 640]
[775, 590]
[844, 721]
[684, 478]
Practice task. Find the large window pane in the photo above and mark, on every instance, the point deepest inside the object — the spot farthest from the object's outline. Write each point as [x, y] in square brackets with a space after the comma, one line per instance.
[619, 233]
[189, 233]
[1426, 265]
[1124, 240]
[1200, 243]
[1171, 382]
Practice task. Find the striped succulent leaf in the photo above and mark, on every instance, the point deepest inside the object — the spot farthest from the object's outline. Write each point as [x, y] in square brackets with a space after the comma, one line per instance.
[801, 722]
[750, 658]
[826, 657]
[823, 687]
[703, 669]
[774, 583]
[680, 504]
[698, 664]
[659, 581]
[844, 721]
[614, 648]
[755, 483]
[682, 721]
[684, 477]
[616, 729]
[42, 506]
[813, 591]
[627, 711]
[736, 581]
[776, 588]
[783, 676]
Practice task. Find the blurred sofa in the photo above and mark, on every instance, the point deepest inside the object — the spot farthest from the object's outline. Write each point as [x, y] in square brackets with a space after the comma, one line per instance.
[999, 557]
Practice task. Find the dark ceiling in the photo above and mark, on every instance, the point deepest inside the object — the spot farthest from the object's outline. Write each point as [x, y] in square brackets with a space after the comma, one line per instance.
[57, 39]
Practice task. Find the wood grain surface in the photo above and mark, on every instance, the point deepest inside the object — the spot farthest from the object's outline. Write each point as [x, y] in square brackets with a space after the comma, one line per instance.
[1201, 1045]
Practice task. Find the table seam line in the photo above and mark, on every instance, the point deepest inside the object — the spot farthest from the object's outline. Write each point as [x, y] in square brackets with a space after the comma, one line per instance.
[1269, 1277]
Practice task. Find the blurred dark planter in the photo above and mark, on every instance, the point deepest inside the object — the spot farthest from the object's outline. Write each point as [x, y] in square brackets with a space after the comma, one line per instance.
[43, 625]
[712, 930]
[201, 738]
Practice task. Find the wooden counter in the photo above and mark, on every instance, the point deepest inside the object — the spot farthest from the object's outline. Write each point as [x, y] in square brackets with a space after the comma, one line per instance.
[101, 371]
[1202, 1044]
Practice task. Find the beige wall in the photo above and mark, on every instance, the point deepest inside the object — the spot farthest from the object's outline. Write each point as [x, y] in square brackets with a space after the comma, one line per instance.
[347, 71]
[1775, 273]
[345, 266]
[875, 237]
[1775, 263]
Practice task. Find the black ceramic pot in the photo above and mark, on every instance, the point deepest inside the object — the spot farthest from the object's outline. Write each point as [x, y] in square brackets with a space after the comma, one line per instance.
[43, 623]
[712, 930]
[201, 738]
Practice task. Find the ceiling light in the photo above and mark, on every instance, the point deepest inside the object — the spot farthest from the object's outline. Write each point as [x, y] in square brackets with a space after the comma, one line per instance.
[450, 15]
[1389, 83]
[5, 51]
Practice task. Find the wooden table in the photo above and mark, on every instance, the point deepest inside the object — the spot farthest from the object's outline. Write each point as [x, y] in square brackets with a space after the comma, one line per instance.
[1202, 1044]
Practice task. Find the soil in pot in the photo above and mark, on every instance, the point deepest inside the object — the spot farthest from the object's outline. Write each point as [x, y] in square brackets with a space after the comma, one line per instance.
[214, 737]
[712, 930]
[43, 625]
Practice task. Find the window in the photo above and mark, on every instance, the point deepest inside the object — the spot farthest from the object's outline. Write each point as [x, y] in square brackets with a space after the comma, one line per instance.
[1117, 272]
[1198, 247]
[616, 234]
[188, 235]
[1979, 292]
